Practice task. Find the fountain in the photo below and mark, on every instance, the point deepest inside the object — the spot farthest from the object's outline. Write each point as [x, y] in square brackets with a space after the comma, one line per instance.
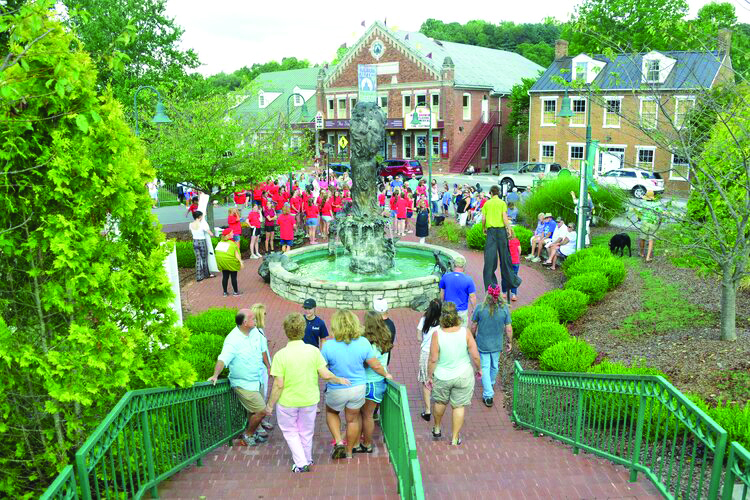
[368, 263]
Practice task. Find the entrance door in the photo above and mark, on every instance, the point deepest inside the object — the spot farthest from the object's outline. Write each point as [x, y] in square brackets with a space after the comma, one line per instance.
[611, 159]
[485, 109]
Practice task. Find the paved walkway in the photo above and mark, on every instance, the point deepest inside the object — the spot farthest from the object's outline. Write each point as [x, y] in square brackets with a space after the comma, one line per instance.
[495, 459]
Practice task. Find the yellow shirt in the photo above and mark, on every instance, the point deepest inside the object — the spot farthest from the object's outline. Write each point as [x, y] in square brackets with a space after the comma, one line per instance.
[298, 364]
[493, 211]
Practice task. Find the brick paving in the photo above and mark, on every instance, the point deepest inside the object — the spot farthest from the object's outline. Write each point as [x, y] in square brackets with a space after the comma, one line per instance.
[494, 458]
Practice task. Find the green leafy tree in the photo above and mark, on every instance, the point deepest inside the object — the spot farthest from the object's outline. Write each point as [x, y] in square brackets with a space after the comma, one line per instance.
[518, 120]
[213, 149]
[83, 305]
[541, 53]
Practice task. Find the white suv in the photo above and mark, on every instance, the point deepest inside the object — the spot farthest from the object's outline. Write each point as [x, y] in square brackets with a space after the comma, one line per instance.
[635, 180]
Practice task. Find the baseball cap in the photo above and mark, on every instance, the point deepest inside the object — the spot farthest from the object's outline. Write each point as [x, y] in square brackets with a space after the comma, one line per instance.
[560, 219]
[226, 231]
[309, 304]
[380, 304]
[548, 215]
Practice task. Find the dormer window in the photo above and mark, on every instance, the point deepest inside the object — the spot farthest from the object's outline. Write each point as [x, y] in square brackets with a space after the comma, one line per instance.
[581, 71]
[652, 70]
[298, 100]
[261, 100]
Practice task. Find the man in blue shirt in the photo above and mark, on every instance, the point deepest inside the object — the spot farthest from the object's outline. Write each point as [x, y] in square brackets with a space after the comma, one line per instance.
[459, 288]
[397, 183]
[242, 353]
[315, 331]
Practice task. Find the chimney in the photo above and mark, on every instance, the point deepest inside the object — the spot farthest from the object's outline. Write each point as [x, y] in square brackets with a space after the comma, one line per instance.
[725, 40]
[448, 71]
[561, 49]
[320, 98]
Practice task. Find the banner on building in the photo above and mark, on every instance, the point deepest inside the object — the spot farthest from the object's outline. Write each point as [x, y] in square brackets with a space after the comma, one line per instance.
[591, 155]
[367, 78]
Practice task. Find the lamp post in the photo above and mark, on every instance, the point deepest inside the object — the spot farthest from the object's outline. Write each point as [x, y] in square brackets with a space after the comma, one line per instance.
[583, 205]
[289, 123]
[415, 122]
[159, 117]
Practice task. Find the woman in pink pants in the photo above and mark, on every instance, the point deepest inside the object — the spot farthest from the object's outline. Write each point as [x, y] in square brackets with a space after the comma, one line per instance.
[295, 370]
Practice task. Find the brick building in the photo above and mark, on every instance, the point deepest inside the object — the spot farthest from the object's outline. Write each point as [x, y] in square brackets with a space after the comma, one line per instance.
[637, 98]
[466, 88]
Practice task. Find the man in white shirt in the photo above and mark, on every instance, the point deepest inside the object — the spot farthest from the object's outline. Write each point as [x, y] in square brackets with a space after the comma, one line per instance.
[559, 234]
[566, 248]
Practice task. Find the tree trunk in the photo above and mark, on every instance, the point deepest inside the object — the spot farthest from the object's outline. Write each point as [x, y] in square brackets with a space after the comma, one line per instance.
[728, 305]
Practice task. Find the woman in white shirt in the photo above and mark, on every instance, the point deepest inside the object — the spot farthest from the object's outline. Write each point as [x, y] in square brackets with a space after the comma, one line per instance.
[426, 327]
[199, 228]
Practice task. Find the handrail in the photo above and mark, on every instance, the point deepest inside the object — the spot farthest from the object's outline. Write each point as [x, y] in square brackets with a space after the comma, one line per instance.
[398, 433]
[475, 132]
[149, 435]
[63, 487]
[641, 422]
[738, 470]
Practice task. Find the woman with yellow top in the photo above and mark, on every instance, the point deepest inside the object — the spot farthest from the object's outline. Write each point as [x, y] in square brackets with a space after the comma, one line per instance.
[228, 260]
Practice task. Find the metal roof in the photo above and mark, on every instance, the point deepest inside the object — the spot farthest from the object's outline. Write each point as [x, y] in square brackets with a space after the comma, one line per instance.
[692, 70]
[282, 82]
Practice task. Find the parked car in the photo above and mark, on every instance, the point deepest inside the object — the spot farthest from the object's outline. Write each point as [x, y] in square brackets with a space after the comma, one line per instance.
[399, 166]
[525, 176]
[635, 180]
[340, 168]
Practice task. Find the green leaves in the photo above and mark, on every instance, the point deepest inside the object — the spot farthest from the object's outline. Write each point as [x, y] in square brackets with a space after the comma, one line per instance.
[82, 123]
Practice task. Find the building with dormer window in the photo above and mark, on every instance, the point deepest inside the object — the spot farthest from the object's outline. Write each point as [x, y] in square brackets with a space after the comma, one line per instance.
[635, 97]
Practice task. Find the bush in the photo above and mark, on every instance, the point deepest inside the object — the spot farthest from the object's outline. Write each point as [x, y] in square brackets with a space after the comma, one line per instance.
[475, 237]
[185, 254]
[572, 355]
[215, 321]
[595, 251]
[451, 231]
[613, 268]
[539, 336]
[202, 351]
[524, 234]
[735, 419]
[527, 315]
[594, 285]
[554, 196]
[569, 304]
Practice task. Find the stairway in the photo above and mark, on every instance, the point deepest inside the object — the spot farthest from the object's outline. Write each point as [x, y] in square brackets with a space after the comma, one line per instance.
[472, 143]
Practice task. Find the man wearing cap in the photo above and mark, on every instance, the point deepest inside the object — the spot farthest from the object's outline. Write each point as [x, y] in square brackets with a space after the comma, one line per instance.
[560, 233]
[315, 330]
[541, 236]
[495, 224]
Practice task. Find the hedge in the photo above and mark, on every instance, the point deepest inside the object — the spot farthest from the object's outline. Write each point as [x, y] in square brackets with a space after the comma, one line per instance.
[215, 321]
[612, 267]
[572, 355]
[593, 284]
[202, 351]
[569, 304]
[537, 337]
[524, 316]
[476, 239]
[185, 254]
[584, 253]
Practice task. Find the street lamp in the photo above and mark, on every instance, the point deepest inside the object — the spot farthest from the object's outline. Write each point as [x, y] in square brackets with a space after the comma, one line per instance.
[415, 122]
[303, 113]
[583, 205]
[159, 117]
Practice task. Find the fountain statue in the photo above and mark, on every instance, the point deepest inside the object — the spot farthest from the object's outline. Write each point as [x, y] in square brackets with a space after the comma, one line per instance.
[363, 230]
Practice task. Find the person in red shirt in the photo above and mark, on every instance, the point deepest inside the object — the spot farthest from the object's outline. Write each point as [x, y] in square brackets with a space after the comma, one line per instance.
[286, 229]
[381, 199]
[273, 188]
[338, 203]
[346, 195]
[269, 214]
[258, 194]
[514, 245]
[240, 198]
[253, 219]
[402, 205]
[235, 224]
[422, 187]
[193, 206]
[311, 211]
[326, 213]
[279, 199]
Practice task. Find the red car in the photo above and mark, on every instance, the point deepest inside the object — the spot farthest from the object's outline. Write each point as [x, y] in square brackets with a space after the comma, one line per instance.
[398, 166]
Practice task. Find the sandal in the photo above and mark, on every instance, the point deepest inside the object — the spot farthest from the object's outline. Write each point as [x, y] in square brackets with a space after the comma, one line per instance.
[362, 449]
[339, 451]
[437, 434]
[426, 416]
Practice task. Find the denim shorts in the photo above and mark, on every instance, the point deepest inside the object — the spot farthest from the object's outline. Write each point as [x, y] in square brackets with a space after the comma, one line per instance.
[393, 213]
[374, 391]
[312, 222]
[287, 242]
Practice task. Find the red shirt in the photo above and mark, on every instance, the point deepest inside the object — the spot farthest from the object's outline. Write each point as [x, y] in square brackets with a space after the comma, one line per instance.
[410, 206]
[311, 211]
[234, 224]
[481, 203]
[240, 197]
[394, 203]
[421, 190]
[273, 189]
[381, 199]
[337, 203]
[257, 193]
[401, 206]
[279, 200]
[253, 218]
[305, 197]
[515, 251]
[193, 208]
[270, 216]
[295, 204]
[327, 207]
[286, 226]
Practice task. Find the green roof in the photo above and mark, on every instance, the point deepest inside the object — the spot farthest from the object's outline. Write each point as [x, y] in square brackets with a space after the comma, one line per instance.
[282, 82]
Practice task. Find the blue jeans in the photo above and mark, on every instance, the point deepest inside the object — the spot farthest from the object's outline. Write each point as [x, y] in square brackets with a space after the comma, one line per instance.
[489, 361]
[514, 291]
[434, 207]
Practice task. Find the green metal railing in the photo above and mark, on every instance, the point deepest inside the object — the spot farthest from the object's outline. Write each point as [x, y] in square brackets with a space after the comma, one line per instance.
[398, 432]
[641, 422]
[148, 436]
[738, 473]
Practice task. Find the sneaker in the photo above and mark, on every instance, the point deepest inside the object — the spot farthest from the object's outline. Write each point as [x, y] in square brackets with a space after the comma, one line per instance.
[530, 256]
[488, 402]
[262, 432]
[260, 438]
[297, 470]
[339, 451]
[513, 297]
[536, 259]
[253, 256]
[237, 294]
[267, 425]
[250, 441]
[226, 294]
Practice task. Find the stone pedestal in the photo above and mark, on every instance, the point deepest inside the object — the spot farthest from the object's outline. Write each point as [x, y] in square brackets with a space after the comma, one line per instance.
[365, 239]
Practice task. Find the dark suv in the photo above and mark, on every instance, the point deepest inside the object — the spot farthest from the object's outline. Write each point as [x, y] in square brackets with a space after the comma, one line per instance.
[398, 166]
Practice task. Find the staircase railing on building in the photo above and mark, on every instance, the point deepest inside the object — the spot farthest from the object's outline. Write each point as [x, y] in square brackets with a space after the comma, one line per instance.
[640, 422]
[472, 143]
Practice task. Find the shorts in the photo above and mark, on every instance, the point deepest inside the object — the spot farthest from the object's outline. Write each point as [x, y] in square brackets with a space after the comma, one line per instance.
[409, 215]
[312, 222]
[257, 202]
[326, 218]
[251, 400]
[393, 213]
[424, 359]
[464, 315]
[560, 256]
[457, 391]
[254, 231]
[401, 218]
[349, 397]
[374, 391]
[647, 231]
[237, 238]
[287, 242]
[269, 229]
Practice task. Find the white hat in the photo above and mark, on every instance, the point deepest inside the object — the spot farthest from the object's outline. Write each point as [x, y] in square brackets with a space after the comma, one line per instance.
[380, 304]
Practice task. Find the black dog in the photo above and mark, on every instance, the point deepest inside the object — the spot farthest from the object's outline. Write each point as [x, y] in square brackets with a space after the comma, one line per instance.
[619, 242]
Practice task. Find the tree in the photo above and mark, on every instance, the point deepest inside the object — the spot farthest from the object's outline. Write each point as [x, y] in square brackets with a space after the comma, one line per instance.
[82, 307]
[214, 150]
[518, 120]
[133, 42]
[541, 53]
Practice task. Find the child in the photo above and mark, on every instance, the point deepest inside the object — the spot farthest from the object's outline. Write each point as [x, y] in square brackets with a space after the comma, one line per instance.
[381, 199]
[423, 222]
[311, 211]
[446, 200]
[193, 206]
[235, 223]
[240, 199]
[286, 229]
[514, 245]
[409, 210]
[253, 219]
[402, 206]
[269, 216]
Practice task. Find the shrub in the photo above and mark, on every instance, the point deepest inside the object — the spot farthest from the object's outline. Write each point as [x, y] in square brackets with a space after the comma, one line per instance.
[202, 351]
[524, 234]
[527, 315]
[475, 237]
[569, 304]
[735, 419]
[554, 196]
[185, 254]
[613, 268]
[215, 321]
[572, 355]
[451, 231]
[593, 284]
[539, 336]
[595, 251]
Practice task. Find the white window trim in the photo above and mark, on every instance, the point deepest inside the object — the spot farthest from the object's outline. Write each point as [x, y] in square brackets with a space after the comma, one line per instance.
[646, 70]
[585, 113]
[415, 148]
[547, 143]
[436, 135]
[351, 107]
[638, 150]
[677, 99]
[571, 145]
[339, 113]
[403, 103]
[463, 108]
[604, 114]
[542, 122]
[332, 108]
[640, 113]
[434, 107]
[404, 139]
[673, 176]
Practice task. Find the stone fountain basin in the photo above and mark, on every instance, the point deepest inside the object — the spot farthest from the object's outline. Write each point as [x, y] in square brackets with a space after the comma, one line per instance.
[356, 295]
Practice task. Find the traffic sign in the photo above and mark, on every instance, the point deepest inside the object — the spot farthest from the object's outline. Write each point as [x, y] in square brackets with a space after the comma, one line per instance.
[343, 143]
[319, 121]
[367, 82]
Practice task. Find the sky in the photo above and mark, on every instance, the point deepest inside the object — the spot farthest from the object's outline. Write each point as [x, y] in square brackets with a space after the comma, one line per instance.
[230, 34]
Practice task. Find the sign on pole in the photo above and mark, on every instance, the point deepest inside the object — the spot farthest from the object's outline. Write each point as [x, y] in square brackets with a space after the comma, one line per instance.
[319, 121]
[343, 143]
[367, 82]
